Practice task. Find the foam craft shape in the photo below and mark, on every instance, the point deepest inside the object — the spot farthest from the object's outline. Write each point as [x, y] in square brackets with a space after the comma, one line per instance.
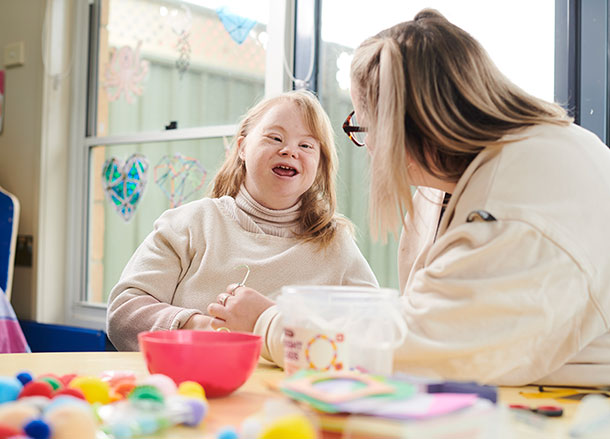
[124, 183]
[306, 385]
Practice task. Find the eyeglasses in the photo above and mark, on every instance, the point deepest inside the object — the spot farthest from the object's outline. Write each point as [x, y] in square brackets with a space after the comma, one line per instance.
[356, 133]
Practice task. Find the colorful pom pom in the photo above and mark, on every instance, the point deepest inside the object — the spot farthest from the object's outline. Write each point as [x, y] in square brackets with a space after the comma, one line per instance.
[94, 389]
[54, 382]
[9, 389]
[165, 384]
[67, 379]
[227, 432]
[8, 432]
[191, 389]
[123, 388]
[69, 421]
[294, 426]
[145, 392]
[69, 391]
[16, 413]
[36, 388]
[25, 377]
[37, 429]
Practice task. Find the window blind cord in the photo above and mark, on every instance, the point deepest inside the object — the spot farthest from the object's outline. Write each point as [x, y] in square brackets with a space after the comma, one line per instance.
[302, 83]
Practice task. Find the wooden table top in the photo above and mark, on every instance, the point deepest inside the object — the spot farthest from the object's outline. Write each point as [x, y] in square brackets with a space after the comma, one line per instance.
[226, 411]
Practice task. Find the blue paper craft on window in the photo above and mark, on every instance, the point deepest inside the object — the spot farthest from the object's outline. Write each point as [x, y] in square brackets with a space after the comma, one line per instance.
[124, 183]
[238, 27]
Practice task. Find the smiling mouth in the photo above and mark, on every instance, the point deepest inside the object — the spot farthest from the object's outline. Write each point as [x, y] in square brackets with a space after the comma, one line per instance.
[285, 171]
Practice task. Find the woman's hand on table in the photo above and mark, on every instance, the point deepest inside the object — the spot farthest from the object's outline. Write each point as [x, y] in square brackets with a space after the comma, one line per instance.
[238, 308]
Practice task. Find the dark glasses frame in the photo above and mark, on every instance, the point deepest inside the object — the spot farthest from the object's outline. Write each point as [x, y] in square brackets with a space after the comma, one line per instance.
[350, 129]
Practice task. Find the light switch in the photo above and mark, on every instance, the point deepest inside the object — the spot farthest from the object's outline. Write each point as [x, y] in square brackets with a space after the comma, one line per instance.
[14, 54]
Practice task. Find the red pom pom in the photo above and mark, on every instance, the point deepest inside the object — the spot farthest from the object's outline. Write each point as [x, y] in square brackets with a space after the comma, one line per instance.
[36, 388]
[7, 432]
[65, 379]
[77, 393]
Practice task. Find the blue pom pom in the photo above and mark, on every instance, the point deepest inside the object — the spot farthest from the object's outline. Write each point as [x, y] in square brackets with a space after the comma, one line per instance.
[148, 424]
[37, 429]
[228, 432]
[9, 389]
[25, 377]
[121, 430]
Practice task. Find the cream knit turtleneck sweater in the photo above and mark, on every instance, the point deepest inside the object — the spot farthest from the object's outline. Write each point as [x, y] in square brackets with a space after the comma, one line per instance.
[193, 253]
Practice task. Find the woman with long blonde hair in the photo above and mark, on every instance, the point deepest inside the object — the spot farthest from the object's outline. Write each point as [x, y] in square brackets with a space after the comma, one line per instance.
[504, 261]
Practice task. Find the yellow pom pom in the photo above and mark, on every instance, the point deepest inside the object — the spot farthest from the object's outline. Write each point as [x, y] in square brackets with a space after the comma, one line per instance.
[94, 389]
[293, 426]
[191, 389]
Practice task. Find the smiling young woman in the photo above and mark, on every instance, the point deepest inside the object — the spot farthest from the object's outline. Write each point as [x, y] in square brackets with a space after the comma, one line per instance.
[273, 208]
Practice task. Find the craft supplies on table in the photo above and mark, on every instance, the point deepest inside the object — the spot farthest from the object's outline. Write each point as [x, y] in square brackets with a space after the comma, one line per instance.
[50, 406]
[366, 405]
[360, 393]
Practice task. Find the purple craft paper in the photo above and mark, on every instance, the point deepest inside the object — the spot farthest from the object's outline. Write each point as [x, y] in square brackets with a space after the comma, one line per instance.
[419, 406]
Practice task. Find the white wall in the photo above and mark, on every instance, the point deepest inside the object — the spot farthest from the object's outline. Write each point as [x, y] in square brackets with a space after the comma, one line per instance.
[20, 140]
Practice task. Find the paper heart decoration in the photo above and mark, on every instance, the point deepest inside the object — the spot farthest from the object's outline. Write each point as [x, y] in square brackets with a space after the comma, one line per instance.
[124, 183]
[179, 177]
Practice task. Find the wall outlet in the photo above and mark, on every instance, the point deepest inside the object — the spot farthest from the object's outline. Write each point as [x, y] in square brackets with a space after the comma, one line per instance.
[23, 252]
[14, 54]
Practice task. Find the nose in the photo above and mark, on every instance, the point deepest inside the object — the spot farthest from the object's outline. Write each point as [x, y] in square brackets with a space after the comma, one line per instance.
[289, 150]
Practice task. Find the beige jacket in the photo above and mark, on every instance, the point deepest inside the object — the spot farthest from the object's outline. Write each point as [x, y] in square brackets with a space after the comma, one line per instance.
[523, 296]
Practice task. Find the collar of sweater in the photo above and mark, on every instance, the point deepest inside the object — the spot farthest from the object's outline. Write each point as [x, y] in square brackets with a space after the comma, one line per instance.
[283, 222]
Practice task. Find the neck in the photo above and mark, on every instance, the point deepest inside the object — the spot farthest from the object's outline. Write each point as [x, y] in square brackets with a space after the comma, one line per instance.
[248, 204]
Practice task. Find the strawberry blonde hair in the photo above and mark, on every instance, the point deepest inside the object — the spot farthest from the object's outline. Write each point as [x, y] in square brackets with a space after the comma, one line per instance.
[432, 95]
[319, 219]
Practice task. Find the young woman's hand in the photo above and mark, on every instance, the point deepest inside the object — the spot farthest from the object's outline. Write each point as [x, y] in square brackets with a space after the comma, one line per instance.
[199, 322]
[238, 308]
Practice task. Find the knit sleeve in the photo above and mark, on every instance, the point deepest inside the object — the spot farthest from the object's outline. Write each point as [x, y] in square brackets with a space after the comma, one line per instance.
[141, 300]
[269, 327]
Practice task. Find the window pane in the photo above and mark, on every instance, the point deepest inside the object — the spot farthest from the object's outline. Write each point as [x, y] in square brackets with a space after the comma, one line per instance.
[518, 35]
[162, 61]
[173, 173]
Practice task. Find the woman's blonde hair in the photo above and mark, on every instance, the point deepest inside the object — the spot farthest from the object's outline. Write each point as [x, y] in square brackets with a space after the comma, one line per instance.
[319, 219]
[432, 95]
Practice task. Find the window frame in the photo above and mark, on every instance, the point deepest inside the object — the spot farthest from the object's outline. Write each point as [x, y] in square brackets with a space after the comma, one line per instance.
[571, 69]
[78, 310]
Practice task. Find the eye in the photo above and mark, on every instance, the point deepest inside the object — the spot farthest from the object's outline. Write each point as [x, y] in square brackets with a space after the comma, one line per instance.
[306, 145]
[275, 137]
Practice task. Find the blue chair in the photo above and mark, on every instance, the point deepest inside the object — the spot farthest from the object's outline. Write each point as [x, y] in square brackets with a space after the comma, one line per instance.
[9, 220]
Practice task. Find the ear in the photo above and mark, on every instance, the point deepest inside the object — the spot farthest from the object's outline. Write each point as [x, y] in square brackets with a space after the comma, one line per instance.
[241, 146]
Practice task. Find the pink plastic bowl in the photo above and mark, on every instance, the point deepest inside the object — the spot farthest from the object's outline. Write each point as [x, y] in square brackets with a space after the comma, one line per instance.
[220, 361]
